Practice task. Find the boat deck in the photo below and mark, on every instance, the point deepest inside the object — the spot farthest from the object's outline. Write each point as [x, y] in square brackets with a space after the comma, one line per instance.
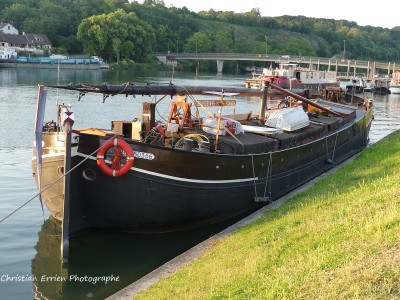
[253, 143]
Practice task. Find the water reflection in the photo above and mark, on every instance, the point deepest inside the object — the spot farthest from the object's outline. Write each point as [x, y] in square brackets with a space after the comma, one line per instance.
[28, 77]
[47, 261]
[125, 256]
[117, 258]
[386, 116]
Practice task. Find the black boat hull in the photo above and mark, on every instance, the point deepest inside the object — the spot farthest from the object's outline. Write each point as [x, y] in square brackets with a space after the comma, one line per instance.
[171, 189]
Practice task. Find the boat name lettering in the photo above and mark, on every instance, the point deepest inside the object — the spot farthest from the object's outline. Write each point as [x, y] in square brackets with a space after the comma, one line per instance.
[144, 155]
[208, 103]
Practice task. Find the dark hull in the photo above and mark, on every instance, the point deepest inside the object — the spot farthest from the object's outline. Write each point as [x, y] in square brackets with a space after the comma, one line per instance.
[382, 90]
[354, 89]
[171, 189]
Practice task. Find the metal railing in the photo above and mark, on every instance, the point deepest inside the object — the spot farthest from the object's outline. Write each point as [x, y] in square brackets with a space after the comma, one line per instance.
[331, 62]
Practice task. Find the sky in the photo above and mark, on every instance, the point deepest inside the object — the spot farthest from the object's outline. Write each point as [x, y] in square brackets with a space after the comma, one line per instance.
[367, 12]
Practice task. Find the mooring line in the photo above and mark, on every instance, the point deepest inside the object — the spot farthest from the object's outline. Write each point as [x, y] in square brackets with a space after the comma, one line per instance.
[254, 177]
[269, 176]
[53, 183]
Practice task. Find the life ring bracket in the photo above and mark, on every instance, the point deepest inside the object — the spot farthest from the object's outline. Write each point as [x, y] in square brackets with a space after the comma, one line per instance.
[116, 168]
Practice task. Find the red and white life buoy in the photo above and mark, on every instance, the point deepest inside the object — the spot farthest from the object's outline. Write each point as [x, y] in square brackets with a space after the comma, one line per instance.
[116, 168]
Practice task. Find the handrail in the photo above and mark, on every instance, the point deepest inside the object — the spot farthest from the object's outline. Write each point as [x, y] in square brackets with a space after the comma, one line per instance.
[362, 64]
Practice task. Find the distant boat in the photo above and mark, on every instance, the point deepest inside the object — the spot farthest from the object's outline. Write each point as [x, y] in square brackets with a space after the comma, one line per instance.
[254, 70]
[7, 55]
[52, 62]
[382, 90]
[369, 87]
[381, 86]
[291, 76]
[394, 86]
[356, 84]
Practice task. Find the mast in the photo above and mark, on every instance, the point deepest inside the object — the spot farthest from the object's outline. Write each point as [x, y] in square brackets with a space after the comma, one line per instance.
[132, 89]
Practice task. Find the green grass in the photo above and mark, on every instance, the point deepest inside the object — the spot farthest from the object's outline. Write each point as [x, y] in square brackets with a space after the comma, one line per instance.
[340, 239]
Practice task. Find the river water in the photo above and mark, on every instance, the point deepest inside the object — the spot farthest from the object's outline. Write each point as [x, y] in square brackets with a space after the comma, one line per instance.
[30, 264]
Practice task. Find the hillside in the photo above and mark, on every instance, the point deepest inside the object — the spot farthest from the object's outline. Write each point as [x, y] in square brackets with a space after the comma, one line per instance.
[129, 31]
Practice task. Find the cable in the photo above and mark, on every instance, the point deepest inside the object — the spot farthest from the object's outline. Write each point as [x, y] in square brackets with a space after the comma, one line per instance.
[57, 180]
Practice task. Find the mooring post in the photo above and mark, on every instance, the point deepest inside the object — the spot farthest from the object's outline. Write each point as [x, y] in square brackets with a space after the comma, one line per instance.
[264, 99]
[67, 121]
[65, 223]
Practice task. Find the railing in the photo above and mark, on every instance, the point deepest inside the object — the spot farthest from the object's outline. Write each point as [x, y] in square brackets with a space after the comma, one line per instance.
[350, 64]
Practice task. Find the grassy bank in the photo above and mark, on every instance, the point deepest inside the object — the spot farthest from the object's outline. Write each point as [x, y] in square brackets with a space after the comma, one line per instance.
[340, 239]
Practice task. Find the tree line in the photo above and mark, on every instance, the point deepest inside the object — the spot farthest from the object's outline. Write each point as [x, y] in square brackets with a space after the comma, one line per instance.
[119, 30]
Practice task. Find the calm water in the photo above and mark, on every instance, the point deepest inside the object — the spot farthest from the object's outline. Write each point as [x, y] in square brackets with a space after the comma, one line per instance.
[30, 241]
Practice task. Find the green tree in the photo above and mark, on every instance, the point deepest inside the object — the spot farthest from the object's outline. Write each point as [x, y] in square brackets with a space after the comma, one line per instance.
[116, 36]
[17, 13]
[5, 3]
[223, 41]
[53, 21]
[86, 8]
[153, 2]
[198, 42]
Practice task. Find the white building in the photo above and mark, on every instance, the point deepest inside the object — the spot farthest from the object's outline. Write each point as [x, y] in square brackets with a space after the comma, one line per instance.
[10, 40]
[7, 28]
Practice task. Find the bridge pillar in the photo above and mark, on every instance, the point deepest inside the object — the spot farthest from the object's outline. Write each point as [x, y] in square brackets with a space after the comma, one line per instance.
[355, 68]
[220, 65]
[374, 70]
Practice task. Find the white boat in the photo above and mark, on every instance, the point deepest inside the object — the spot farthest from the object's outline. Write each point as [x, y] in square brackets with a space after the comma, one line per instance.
[291, 76]
[394, 86]
[7, 54]
[369, 87]
[356, 84]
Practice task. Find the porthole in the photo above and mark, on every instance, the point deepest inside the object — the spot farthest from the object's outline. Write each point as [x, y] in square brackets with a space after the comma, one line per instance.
[89, 174]
[60, 170]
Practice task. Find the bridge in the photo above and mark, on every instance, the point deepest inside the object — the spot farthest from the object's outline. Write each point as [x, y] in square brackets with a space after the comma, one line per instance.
[366, 69]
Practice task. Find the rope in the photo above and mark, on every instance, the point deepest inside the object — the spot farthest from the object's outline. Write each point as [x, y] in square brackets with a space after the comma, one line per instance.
[212, 116]
[254, 176]
[195, 137]
[327, 148]
[269, 175]
[334, 146]
[124, 88]
[49, 186]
